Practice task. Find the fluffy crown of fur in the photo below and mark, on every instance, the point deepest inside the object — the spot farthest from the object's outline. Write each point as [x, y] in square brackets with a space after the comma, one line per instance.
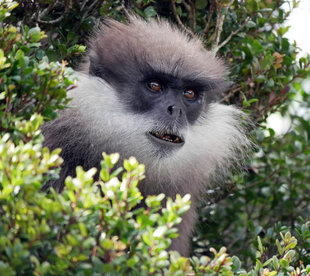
[156, 45]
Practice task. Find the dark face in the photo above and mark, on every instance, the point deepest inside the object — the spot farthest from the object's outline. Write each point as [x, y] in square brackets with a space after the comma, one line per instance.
[172, 102]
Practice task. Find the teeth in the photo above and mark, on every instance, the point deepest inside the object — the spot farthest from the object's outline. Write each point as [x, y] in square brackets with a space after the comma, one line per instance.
[167, 137]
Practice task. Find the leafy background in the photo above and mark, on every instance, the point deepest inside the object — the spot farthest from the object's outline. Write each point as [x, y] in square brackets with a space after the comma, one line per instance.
[271, 198]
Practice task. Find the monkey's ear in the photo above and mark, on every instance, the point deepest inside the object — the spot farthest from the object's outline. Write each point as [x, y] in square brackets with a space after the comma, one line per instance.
[95, 68]
[98, 69]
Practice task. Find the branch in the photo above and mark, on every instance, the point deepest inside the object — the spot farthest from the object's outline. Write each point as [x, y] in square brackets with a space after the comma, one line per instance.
[175, 13]
[219, 24]
[231, 35]
[192, 13]
[68, 5]
[208, 23]
[91, 7]
[37, 16]
[236, 88]
[83, 4]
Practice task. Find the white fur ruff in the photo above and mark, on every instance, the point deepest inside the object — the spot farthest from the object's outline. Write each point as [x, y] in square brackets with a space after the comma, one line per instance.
[213, 145]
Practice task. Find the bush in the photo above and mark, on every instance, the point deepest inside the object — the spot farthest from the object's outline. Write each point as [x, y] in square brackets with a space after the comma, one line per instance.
[89, 228]
[96, 227]
[29, 83]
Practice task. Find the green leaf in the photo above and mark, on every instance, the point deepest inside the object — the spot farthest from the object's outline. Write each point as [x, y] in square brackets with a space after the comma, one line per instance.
[200, 4]
[279, 247]
[83, 229]
[251, 24]
[260, 245]
[150, 12]
[146, 239]
[35, 34]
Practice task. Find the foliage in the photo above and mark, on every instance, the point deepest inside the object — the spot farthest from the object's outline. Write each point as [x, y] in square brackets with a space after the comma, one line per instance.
[96, 227]
[274, 194]
[28, 82]
[247, 35]
[87, 229]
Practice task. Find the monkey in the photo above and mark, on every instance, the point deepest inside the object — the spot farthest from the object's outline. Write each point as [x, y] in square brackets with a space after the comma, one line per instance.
[149, 90]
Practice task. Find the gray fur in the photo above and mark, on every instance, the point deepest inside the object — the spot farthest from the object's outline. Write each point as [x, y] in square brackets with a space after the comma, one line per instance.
[98, 121]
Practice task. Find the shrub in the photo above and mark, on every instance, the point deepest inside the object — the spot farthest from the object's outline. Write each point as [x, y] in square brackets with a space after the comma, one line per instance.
[94, 228]
[97, 227]
[29, 83]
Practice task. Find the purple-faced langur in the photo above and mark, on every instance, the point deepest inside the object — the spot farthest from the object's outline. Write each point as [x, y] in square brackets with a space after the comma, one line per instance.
[149, 90]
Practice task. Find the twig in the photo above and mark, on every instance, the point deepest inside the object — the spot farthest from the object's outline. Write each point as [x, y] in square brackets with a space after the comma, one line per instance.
[192, 13]
[92, 5]
[83, 4]
[175, 13]
[230, 36]
[219, 23]
[208, 23]
[68, 5]
[38, 15]
[231, 93]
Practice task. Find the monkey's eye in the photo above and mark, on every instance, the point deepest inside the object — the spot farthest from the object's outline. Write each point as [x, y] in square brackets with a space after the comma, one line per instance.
[155, 86]
[189, 94]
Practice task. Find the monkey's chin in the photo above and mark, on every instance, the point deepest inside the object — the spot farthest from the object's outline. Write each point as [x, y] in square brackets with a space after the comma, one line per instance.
[165, 139]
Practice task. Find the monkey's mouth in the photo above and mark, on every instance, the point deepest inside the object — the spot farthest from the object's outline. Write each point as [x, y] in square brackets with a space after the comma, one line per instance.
[167, 137]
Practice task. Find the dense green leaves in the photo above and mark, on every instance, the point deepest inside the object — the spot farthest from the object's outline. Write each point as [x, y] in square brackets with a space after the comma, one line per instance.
[98, 227]
[78, 231]
[28, 82]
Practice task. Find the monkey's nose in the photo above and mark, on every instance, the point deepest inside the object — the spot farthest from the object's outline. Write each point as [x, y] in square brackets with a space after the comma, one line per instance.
[174, 110]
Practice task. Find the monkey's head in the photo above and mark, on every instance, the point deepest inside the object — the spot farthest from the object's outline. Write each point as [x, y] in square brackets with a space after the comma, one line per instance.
[150, 93]
[158, 72]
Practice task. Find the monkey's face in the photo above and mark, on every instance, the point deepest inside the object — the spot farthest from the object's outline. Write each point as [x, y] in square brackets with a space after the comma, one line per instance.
[164, 79]
[170, 102]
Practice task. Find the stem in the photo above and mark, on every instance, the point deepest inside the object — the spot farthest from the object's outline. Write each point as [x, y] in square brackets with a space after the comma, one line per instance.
[231, 35]
[175, 13]
[219, 24]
